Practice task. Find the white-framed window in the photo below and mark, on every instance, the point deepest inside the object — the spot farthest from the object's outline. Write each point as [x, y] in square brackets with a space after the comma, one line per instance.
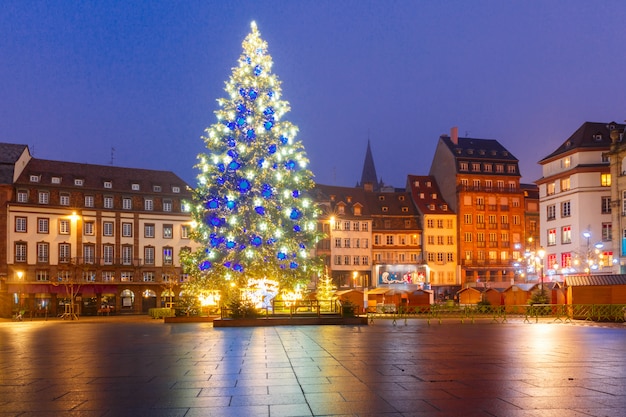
[551, 212]
[167, 205]
[126, 276]
[184, 231]
[389, 239]
[606, 205]
[79, 182]
[566, 209]
[364, 227]
[156, 188]
[43, 197]
[64, 227]
[108, 184]
[43, 251]
[43, 225]
[20, 251]
[108, 276]
[64, 199]
[127, 203]
[148, 230]
[135, 187]
[42, 275]
[148, 276]
[22, 196]
[127, 255]
[89, 228]
[346, 243]
[34, 178]
[148, 255]
[64, 253]
[89, 254]
[607, 232]
[108, 202]
[168, 231]
[356, 260]
[337, 242]
[21, 224]
[127, 229]
[346, 260]
[337, 259]
[148, 204]
[176, 189]
[107, 254]
[107, 228]
[89, 201]
[566, 234]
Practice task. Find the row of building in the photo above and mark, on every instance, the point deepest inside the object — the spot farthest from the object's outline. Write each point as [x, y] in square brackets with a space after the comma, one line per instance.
[468, 222]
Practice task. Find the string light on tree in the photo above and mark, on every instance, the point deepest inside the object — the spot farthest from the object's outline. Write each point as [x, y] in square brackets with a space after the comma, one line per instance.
[252, 203]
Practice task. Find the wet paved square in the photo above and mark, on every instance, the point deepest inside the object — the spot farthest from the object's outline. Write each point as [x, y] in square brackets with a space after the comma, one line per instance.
[136, 366]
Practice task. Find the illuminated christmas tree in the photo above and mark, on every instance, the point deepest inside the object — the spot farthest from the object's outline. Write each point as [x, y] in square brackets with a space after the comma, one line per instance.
[254, 215]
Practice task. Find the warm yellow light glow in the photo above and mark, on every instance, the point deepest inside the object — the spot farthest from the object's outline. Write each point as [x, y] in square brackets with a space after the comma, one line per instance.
[20, 274]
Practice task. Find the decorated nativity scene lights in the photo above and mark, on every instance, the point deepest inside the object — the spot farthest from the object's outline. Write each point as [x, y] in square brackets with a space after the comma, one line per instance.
[254, 217]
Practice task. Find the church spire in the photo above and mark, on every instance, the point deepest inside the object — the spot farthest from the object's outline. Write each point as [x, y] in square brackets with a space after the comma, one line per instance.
[368, 176]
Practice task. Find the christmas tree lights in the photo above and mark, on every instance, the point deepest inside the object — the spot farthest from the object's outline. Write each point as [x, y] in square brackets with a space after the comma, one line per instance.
[252, 206]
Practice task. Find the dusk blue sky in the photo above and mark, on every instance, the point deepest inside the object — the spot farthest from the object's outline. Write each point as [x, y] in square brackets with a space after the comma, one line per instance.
[78, 78]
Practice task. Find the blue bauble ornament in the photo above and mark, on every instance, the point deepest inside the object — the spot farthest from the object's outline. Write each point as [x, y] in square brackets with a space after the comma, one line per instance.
[231, 125]
[256, 241]
[215, 221]
[212, 204]
[253, 94]
[231, 204]
[295, 214]
[295, 194]
[204, 265]
[290, 164]
[242, 92]
[241, 121]
[281, 255]
[260, 163]
[230, 244]
[284, 140]
[241, 108]
[266, 191]
[238, 268]
[258, 70]
[296, 228]
[234, 165]
[268, 111]
[260, 210]
[250, 134]
[270, 93]
[221, 167]
[272, 149]
[268, 125]
[231, 142]
[227, 264]
[293, 265]
[244, 185]
[215, 241]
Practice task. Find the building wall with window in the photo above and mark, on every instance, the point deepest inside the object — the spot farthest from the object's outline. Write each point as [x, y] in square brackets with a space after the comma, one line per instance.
[117, 232]
[575, 204]
[347, 246]
[616, 204]
[397, 239]
[481, 180]
[439, 235]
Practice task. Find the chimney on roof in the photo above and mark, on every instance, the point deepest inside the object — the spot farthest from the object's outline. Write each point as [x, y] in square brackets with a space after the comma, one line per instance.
[454, 135]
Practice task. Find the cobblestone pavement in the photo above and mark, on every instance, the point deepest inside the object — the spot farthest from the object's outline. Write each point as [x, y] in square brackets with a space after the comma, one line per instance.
[136, 366]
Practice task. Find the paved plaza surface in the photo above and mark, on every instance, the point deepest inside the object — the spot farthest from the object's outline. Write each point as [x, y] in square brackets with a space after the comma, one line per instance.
[119, 366]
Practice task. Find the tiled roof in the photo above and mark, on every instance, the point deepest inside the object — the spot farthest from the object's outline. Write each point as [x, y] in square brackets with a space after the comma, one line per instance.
[348, 196]
[432, 202]
[590, 280]
[478, 149]
[94, 176]
[390, 203]
[9, 154]
[590, 135]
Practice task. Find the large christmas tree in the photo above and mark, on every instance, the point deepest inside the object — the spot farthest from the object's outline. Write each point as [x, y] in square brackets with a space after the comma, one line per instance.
[254, 215]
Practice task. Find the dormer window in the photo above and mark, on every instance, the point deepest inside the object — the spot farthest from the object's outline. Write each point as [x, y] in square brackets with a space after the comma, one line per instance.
[431, 207]
[463, 166]
[108, 184]
[597, 137]
[34, 178]
[433, 196]
[470, 152]
[79, 182]
[401, 198]
[385, 208]
[341, 209]
[444, 207]
[134, 186]
[482, 152]
[357, 210]
[176, 189]
[56, 180]
[156, 188]
[349, 199]
[416, 183]
[421, 196]
[381, 197]
[505, 153]
[405, 209]
[429, 184]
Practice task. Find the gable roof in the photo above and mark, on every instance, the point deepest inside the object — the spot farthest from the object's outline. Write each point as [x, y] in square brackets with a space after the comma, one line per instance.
[426, 196]
[9, 154]
[478, 149]
[589, 136]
